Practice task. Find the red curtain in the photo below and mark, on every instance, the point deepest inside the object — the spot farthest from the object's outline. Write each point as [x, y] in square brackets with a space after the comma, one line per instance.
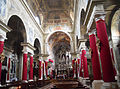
[31, 68]
[40, 69]
[8, 69]
[85, 66]
[106, 61]
[24, 66]
[95, 58]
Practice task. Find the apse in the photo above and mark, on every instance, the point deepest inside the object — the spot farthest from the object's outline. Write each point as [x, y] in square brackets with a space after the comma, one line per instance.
[59, 43]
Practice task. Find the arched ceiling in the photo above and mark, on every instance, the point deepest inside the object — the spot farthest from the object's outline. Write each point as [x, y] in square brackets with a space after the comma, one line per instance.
[53, 11]
[58, 37]
[59, 43]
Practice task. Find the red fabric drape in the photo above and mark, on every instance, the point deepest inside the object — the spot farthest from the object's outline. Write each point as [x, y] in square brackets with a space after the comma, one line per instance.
[95, 58]
[85, 66]
[8, 69]
[73, 63]
[81, 67]
[40, 69]
[1, 46]
[24, 66]
[1, 50]
[50, 60]
[46, 68]
[106, 61]
[31, 68]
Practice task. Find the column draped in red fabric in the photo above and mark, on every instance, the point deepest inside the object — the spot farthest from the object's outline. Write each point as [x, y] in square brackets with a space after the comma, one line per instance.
[46, 67]
[85, 66]
[31, 68]
[106, 61]
[1, 46]
[8, 69]
[73, 63]
[40, 69]
[78, 69]
[24, 66]
[43, 71]
[95, 58]
[1, 50]
[81, 67]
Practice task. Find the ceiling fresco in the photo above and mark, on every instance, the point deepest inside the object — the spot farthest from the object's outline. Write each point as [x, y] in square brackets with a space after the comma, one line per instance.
[55, 15]
[53, 11]
[58, 37]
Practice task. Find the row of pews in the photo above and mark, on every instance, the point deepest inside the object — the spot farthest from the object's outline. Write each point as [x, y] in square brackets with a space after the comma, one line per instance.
[26, 85]
[68, 84]
[46, 84]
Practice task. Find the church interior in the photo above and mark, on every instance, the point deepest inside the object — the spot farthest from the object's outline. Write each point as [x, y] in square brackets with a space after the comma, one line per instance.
[59, 44]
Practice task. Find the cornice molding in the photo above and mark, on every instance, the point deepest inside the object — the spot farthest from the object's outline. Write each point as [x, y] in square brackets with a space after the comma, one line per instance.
[28, 45]
[31, 15]
[4, 27]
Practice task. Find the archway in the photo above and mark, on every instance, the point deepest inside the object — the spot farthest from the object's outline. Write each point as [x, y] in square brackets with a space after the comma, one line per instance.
[59, 46]
[13, 42]
[37, 53]
[114, 24]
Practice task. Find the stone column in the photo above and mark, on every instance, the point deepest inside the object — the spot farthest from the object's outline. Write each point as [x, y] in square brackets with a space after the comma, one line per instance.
[106, 61]
[24, 76]
[44, 65]
[31, 68]
[97, 83]
[85, 66]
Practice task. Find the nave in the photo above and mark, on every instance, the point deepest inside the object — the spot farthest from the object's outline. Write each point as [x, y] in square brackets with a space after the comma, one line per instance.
[60, 44]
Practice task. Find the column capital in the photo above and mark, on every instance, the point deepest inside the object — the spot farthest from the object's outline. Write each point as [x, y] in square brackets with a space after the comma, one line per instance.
[24, 51]
[99, 12]
[2, 38]
[92, 32]
[101, 17]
